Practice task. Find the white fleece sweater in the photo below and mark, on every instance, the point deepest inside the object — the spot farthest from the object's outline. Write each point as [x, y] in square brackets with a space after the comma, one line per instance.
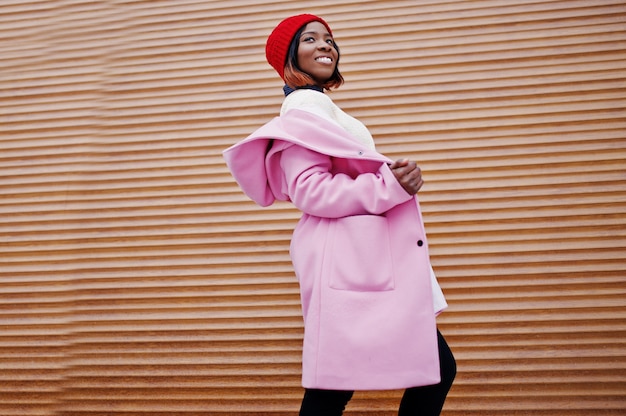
[320, 104]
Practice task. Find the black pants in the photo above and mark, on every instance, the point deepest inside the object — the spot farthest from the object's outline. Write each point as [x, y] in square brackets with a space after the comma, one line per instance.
[416, 401]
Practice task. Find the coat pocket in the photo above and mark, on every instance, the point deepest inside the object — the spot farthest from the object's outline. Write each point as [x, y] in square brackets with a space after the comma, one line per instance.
[361, 254]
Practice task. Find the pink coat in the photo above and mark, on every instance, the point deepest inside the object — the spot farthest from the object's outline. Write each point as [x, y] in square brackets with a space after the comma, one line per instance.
[359, 252]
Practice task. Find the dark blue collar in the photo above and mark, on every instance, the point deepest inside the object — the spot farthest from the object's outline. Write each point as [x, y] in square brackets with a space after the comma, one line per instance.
[288, 90]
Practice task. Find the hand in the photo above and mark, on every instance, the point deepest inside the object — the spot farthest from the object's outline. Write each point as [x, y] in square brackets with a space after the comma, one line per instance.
[408, 174]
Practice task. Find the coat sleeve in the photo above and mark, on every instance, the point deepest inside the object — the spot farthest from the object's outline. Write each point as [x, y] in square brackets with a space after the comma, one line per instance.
[315, 190]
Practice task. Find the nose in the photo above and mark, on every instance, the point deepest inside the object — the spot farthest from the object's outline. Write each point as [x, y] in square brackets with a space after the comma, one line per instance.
[323, 45]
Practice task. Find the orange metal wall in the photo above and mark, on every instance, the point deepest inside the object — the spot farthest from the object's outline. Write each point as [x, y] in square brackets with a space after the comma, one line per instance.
[136, 278]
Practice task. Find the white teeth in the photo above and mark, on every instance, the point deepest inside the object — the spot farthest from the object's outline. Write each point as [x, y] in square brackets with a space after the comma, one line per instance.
[324, 59]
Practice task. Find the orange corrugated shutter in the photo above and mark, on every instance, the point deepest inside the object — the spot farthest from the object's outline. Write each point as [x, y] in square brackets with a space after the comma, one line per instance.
[136, 278]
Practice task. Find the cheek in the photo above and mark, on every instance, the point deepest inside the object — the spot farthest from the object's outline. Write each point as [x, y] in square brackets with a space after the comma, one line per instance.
[301, 56]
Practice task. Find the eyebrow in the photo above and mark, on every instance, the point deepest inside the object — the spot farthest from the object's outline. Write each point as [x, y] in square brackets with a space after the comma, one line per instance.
[315, 33]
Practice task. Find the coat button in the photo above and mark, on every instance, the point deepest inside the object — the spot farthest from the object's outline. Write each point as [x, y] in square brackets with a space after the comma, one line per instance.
[420, 243]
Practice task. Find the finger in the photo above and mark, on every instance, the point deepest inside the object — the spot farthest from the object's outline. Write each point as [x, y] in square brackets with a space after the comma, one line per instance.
[406, 170]
[399, 163]
[410, 165]
[413, 173]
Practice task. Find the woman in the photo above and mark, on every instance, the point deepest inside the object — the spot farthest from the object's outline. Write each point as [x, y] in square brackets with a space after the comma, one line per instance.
[369, 296]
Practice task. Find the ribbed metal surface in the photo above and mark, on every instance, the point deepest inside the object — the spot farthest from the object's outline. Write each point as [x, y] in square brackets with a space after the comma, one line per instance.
[136, 278]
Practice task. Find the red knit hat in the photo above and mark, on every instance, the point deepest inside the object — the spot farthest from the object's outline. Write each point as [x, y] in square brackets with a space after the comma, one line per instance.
[277, 46]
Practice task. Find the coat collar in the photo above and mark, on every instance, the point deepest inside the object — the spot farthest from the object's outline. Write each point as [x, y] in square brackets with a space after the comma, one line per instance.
[249, 159]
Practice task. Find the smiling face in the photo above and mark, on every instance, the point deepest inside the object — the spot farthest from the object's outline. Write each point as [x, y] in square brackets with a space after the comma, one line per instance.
[317, 55]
